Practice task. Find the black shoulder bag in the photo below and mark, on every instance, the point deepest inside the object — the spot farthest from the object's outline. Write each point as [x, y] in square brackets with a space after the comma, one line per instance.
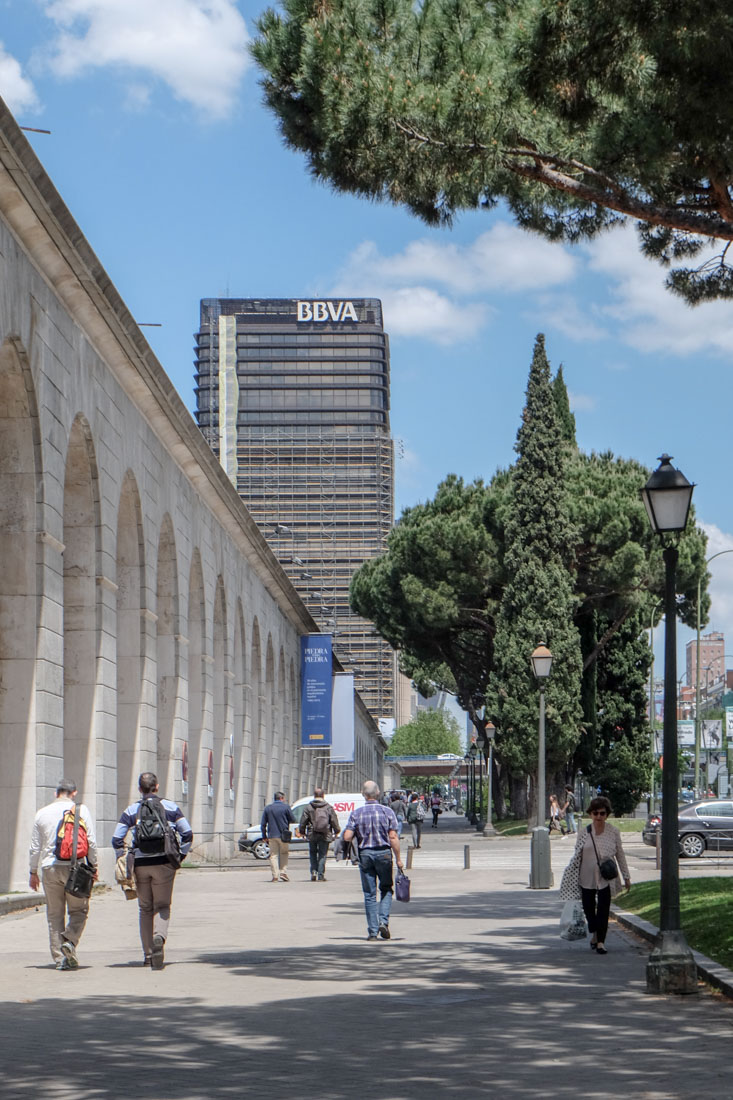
[81, 876]
[607, 867]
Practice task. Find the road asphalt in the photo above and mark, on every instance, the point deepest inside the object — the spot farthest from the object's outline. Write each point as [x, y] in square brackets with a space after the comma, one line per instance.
[271, 989]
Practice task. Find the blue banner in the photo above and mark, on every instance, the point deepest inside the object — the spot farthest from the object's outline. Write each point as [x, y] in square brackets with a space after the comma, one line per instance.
[316, 664]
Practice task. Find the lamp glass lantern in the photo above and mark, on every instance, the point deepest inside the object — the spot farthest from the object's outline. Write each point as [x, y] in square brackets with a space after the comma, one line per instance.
[667, 497]
[541, 662]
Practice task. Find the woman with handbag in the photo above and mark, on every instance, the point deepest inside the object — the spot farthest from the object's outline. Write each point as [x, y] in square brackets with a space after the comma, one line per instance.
[592, 873]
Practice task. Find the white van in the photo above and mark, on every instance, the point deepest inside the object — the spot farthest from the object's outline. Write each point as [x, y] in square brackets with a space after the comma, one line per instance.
[251, 839]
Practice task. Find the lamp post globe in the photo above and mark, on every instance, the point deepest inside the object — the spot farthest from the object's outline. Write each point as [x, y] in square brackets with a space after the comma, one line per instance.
[667, 496]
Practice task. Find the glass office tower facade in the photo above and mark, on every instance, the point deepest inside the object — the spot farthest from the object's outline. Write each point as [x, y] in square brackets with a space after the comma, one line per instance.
[293, 397]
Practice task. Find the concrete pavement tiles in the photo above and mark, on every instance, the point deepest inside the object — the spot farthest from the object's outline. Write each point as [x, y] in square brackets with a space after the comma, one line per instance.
[272, 989]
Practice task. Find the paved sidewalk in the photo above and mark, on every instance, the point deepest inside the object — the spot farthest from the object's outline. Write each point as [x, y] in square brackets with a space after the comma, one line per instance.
[272, 989]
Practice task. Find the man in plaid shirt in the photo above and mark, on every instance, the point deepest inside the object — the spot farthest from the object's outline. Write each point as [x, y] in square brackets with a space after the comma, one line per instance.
[375, 828]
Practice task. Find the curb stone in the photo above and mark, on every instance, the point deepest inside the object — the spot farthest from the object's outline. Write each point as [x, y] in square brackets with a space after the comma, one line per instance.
[12, 903]
[707, 970]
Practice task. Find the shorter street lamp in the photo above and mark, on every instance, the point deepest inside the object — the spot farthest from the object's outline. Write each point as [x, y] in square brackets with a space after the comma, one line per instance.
[489, 735]
[540, 876]
[667, 496]
[472, 757]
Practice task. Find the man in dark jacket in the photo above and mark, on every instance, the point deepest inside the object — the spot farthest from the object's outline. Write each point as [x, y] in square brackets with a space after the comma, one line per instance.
[319, 825]
[275, 827]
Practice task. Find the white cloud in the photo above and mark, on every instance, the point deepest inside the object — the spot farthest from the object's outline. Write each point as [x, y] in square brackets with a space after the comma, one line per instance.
[651, 318]
[565, 314]
[196, 47]
[721, 582]
[504, 258]
[429, 289]
[15, 88]
[421, 311]
[582, 402]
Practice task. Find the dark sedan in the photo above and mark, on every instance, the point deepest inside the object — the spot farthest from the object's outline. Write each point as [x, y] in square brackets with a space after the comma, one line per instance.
[702, 826]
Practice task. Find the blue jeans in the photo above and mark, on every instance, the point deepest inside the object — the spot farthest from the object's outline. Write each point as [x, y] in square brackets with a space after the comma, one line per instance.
[570, 821]
[376, 866]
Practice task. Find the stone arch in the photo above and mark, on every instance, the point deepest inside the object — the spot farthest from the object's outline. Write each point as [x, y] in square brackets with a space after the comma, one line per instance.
[294, 732]
[258, 784]
[271, 743]
[169, 740]
[20, 470]
[81, 605]
[283, 728]
[133, 756]
[198, 784]
[221, 714]
[242, 732]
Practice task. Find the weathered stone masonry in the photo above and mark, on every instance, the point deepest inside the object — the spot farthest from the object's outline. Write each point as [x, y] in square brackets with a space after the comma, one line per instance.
[142, 615]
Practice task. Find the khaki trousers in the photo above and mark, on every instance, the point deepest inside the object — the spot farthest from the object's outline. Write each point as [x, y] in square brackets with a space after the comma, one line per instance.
[57, 903]
[154, 893]
[279, 852]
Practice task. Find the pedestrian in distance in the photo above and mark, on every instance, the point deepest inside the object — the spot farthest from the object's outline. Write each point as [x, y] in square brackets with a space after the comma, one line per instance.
[415, 818]
[161, 838]
[555, 824]
[51, 849]
[277, 818]
[375, 829]
[569, 808]
[319, 825]
[582, 878]
[436, 807]
[398, 808]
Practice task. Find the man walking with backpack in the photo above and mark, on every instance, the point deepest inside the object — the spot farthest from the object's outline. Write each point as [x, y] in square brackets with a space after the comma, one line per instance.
[51, 842]
[319, 825]
[161, 839]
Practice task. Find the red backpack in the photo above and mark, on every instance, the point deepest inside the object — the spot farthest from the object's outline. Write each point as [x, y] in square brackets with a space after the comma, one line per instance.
[64, 837]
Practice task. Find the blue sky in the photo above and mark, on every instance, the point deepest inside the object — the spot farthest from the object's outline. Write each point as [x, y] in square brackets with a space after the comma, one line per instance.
[177, 175]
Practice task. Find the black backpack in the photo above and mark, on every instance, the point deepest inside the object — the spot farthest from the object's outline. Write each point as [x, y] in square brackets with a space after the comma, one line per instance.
[151, 827]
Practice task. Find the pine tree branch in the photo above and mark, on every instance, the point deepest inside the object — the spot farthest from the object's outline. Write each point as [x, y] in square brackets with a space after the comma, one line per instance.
[671, 217]
[555, 172]
[606, 638]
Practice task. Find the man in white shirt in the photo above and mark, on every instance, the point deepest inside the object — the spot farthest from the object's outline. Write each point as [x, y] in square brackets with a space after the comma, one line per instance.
[64, 933]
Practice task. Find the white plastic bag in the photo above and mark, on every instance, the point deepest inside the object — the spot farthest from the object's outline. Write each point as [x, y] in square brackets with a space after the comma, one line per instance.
[572, 921]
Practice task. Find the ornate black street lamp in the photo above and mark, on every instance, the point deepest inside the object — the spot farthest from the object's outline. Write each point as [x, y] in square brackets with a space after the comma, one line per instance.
[667, 496]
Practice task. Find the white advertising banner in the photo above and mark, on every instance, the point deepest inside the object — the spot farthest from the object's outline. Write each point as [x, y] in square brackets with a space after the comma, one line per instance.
[342, 718]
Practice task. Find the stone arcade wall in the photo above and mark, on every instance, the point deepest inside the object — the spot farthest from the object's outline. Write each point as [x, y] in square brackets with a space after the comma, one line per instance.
[143, 619]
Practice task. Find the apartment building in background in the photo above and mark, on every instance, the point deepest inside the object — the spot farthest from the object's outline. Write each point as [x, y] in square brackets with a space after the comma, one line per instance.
[293, 397]
[712, 661]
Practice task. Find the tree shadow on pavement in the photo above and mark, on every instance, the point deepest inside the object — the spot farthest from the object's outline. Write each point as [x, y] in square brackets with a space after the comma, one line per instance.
[517, 1016]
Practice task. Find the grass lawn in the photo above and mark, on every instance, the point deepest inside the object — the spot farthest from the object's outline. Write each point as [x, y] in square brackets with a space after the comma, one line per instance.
[628, 824]
[706, 910]
[510, 827]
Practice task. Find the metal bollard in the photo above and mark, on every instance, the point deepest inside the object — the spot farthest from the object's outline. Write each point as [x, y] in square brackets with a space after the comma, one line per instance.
[659, 847]
[409, 858]
[466, 857]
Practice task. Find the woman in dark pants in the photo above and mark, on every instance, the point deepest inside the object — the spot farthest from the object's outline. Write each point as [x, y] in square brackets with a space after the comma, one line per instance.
[599, 841]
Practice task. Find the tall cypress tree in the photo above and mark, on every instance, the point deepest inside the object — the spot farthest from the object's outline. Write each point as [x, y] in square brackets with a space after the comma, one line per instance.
[537, 604]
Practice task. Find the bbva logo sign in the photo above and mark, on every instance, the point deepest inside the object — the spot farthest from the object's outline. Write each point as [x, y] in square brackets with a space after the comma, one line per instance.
[326, 311]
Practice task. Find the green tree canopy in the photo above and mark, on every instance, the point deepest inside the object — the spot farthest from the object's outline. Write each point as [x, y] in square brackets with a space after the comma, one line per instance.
[429, 733]
[432, 595]
[576, 113]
